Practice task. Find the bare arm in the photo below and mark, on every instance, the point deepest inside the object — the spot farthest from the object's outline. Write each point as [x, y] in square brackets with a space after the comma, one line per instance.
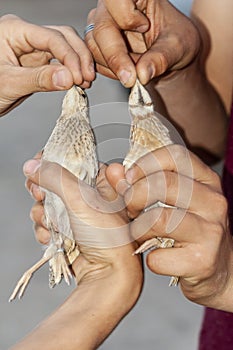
[216, 20]
[109, 279]
[91, 312]
[198, 97]
[173, 59]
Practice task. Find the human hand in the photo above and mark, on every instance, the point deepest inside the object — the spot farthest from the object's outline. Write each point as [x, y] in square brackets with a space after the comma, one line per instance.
[203, 251]
[106, 272]
[26, 51]
[145, 39]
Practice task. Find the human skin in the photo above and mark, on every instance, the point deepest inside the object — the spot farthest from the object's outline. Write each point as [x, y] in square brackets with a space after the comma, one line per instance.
[203, 251]
[109, 280]
[26, 52]
[174, 57]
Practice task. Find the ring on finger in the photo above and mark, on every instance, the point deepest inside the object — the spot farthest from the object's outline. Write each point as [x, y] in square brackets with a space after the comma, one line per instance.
[89, 28]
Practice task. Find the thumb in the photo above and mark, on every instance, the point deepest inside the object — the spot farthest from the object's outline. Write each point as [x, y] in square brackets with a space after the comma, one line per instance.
[115, 174]
[27, 80]
[77, 196]
[50, 176]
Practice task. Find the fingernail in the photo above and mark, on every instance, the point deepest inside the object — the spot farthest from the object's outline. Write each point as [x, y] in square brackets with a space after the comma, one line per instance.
[151, 71]
[59, 78]
[142, 29]
[31, 166]
[92, 68]
[124, 76]
[31, 190]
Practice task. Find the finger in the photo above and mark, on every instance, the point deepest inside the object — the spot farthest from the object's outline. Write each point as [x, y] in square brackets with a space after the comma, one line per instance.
[106, 72]
[35, 191]
[175, 190]
[127, 16]
[161, 57]
[64, 184]
[154, 62]
[48, 40]
[53, 41]
[174, 158]
[114, 49]
[104, 187]
[115, 174]
[90, 41]
[184, 262]
[37, 214]
[42, 234]
[30, 80]
[72, 37]
[47, 174]
[35, 59]
[180, 225]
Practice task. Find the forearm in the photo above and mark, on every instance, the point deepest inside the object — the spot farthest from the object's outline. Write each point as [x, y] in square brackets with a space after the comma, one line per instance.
[194, 107]
[89, 315]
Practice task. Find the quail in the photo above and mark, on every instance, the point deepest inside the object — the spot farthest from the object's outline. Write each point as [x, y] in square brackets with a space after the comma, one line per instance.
[147, 134]
[72, 145]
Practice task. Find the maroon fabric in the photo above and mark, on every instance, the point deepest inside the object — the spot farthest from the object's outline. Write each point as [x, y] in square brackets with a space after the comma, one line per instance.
[217, 326]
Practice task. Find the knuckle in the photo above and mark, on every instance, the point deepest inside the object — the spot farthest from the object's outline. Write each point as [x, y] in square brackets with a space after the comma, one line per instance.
[178, 152]
[67, 29]
[113, 60]
[170, 180]
[136, 197]
[126, 21]
[216, 231]
[206, 263]
[162, 63]
[91, 15]
[8, 17]
[221, 204]
[216, 179]
[39, 80]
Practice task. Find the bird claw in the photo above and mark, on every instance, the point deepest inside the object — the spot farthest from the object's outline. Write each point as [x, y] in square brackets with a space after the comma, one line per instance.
[24, 280]
[151, 243]
[59, 269]
[21, 286]
[158, 242]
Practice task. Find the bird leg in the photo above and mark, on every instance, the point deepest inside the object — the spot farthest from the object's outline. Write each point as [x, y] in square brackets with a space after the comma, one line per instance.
[24, 280]
[59, 268]
[158, 242]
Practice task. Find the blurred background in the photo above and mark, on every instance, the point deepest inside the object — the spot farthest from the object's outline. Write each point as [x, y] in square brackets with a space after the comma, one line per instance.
[163, 318]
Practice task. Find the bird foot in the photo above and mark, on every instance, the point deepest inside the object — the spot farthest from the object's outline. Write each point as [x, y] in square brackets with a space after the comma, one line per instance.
[155, 243]
[174, 281]
[151, 243]
[58, 269]
[24, 280]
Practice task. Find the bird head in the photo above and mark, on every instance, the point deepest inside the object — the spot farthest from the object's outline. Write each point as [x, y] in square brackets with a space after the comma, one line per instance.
[140, 102]
[74, 102]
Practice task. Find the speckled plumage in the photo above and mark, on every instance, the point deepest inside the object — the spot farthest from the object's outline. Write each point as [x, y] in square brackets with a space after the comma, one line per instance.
[71, 145]
[147, 134]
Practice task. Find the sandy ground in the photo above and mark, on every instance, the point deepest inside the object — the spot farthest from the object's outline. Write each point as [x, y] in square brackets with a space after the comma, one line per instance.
[162, 319]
